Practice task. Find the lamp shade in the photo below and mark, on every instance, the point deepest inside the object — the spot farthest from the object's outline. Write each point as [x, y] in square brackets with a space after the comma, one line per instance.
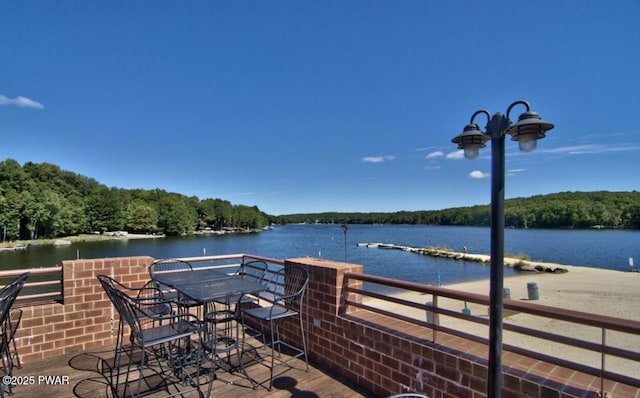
[471, 140]
[528, 129]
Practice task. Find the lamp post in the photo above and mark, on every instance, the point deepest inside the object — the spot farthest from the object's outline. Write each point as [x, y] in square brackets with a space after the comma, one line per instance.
[527, 130]
[345, 228]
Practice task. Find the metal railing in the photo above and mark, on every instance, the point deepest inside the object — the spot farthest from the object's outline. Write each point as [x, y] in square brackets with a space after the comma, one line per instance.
[232, 262]
[475, 328]
[43, 285]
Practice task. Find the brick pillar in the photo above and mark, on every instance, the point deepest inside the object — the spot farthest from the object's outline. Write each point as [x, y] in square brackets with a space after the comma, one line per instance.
[86, 318]
[325, 299]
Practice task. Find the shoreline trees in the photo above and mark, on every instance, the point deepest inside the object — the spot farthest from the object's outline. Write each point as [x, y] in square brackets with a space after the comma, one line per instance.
[43, 201]
[579, 210]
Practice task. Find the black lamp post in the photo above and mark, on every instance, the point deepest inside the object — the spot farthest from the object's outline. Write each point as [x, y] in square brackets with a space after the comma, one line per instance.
[345, 228]
[527, 130]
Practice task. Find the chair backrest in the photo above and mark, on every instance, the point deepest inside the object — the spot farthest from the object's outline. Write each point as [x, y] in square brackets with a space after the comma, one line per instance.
[9, 293]
[149, 299]
[293, 282]
[125, 305]
[110, 286]
[169, 265]
[20, 280]
[5, 306]
[253, 270]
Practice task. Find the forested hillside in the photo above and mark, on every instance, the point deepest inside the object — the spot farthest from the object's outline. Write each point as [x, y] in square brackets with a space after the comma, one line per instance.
[559, 210]
[43, 201]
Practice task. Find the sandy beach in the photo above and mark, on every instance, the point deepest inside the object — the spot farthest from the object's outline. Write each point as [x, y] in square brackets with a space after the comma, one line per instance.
[590, 290]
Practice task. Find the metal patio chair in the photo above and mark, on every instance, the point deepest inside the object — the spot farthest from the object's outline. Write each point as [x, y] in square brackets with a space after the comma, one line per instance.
[151, 304]
[8, 295]
[226, 309]
[220, 337]
[169, 342]
[13, 323]
[172, 265]
[288, 290]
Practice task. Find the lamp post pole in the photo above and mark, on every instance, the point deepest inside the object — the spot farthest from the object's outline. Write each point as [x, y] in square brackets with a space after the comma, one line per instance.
[345, 228]
[496, 278]
[529, 128]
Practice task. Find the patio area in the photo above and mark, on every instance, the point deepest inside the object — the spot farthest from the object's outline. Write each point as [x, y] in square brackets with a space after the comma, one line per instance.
[380, 351]
[86, 375]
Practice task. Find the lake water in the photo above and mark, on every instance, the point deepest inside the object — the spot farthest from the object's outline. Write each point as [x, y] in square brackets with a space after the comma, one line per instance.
[595, 248]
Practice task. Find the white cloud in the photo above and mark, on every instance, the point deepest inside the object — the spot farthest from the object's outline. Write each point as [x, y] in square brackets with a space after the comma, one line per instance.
[432, 167]
[22, 102]
[459, 154]
[479, 174]
[378, 159]
[592, 149]
[434, 155]
[513, 172]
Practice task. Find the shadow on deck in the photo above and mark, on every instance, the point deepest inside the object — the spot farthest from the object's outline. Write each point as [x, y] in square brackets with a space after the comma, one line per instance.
[87, 375]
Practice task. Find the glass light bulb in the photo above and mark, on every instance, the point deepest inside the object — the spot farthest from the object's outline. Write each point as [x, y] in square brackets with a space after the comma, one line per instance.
[528, 145]
[471, 152]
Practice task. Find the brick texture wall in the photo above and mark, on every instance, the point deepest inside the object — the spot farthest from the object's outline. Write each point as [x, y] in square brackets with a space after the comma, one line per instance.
[86, 319]
[387, 359]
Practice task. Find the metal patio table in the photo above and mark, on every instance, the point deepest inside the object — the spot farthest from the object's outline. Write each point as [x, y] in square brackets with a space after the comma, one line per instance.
[209, 286]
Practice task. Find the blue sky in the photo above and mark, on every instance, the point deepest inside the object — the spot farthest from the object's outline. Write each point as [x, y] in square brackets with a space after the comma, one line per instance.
[309, 106]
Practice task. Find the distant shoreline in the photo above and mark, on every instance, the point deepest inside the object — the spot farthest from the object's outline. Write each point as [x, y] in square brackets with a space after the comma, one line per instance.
[110, 235]
[22, 244]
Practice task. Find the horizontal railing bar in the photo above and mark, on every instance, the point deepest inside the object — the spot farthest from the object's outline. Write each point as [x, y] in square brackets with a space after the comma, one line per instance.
[232, 257]
[26, 299]
[573, 365]
[41, 284]
[413, 304]
[439, 328]
[587, 345]
[34, 271]
[601, 321]
[576, 317]
[37, 296]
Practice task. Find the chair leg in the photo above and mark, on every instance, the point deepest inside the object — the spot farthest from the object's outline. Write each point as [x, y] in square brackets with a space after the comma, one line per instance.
[116, 359]
[274, 332]
[126, 379]
[143, 358]
[304, 343]
[15, 351]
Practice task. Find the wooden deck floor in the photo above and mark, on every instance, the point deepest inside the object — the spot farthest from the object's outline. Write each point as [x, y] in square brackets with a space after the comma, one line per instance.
[87, 376]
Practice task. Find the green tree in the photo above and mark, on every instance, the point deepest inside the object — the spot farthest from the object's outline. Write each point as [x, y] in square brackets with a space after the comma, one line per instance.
[141, 217]
[104, 211]
[175, 216]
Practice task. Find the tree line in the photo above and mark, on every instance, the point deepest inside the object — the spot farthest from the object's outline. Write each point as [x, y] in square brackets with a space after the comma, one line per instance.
[601, 209]
[43, 201]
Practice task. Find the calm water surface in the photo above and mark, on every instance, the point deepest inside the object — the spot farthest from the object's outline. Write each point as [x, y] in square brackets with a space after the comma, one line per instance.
[602, 249]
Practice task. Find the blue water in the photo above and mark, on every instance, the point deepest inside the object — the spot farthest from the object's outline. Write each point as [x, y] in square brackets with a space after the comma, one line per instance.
[595, 248]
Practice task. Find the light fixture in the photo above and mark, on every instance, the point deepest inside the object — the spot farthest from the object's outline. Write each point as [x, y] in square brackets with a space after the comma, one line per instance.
[527, 131]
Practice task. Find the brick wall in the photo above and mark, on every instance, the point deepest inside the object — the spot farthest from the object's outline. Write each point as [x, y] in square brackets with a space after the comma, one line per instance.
[389, 359]
[84, 321]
